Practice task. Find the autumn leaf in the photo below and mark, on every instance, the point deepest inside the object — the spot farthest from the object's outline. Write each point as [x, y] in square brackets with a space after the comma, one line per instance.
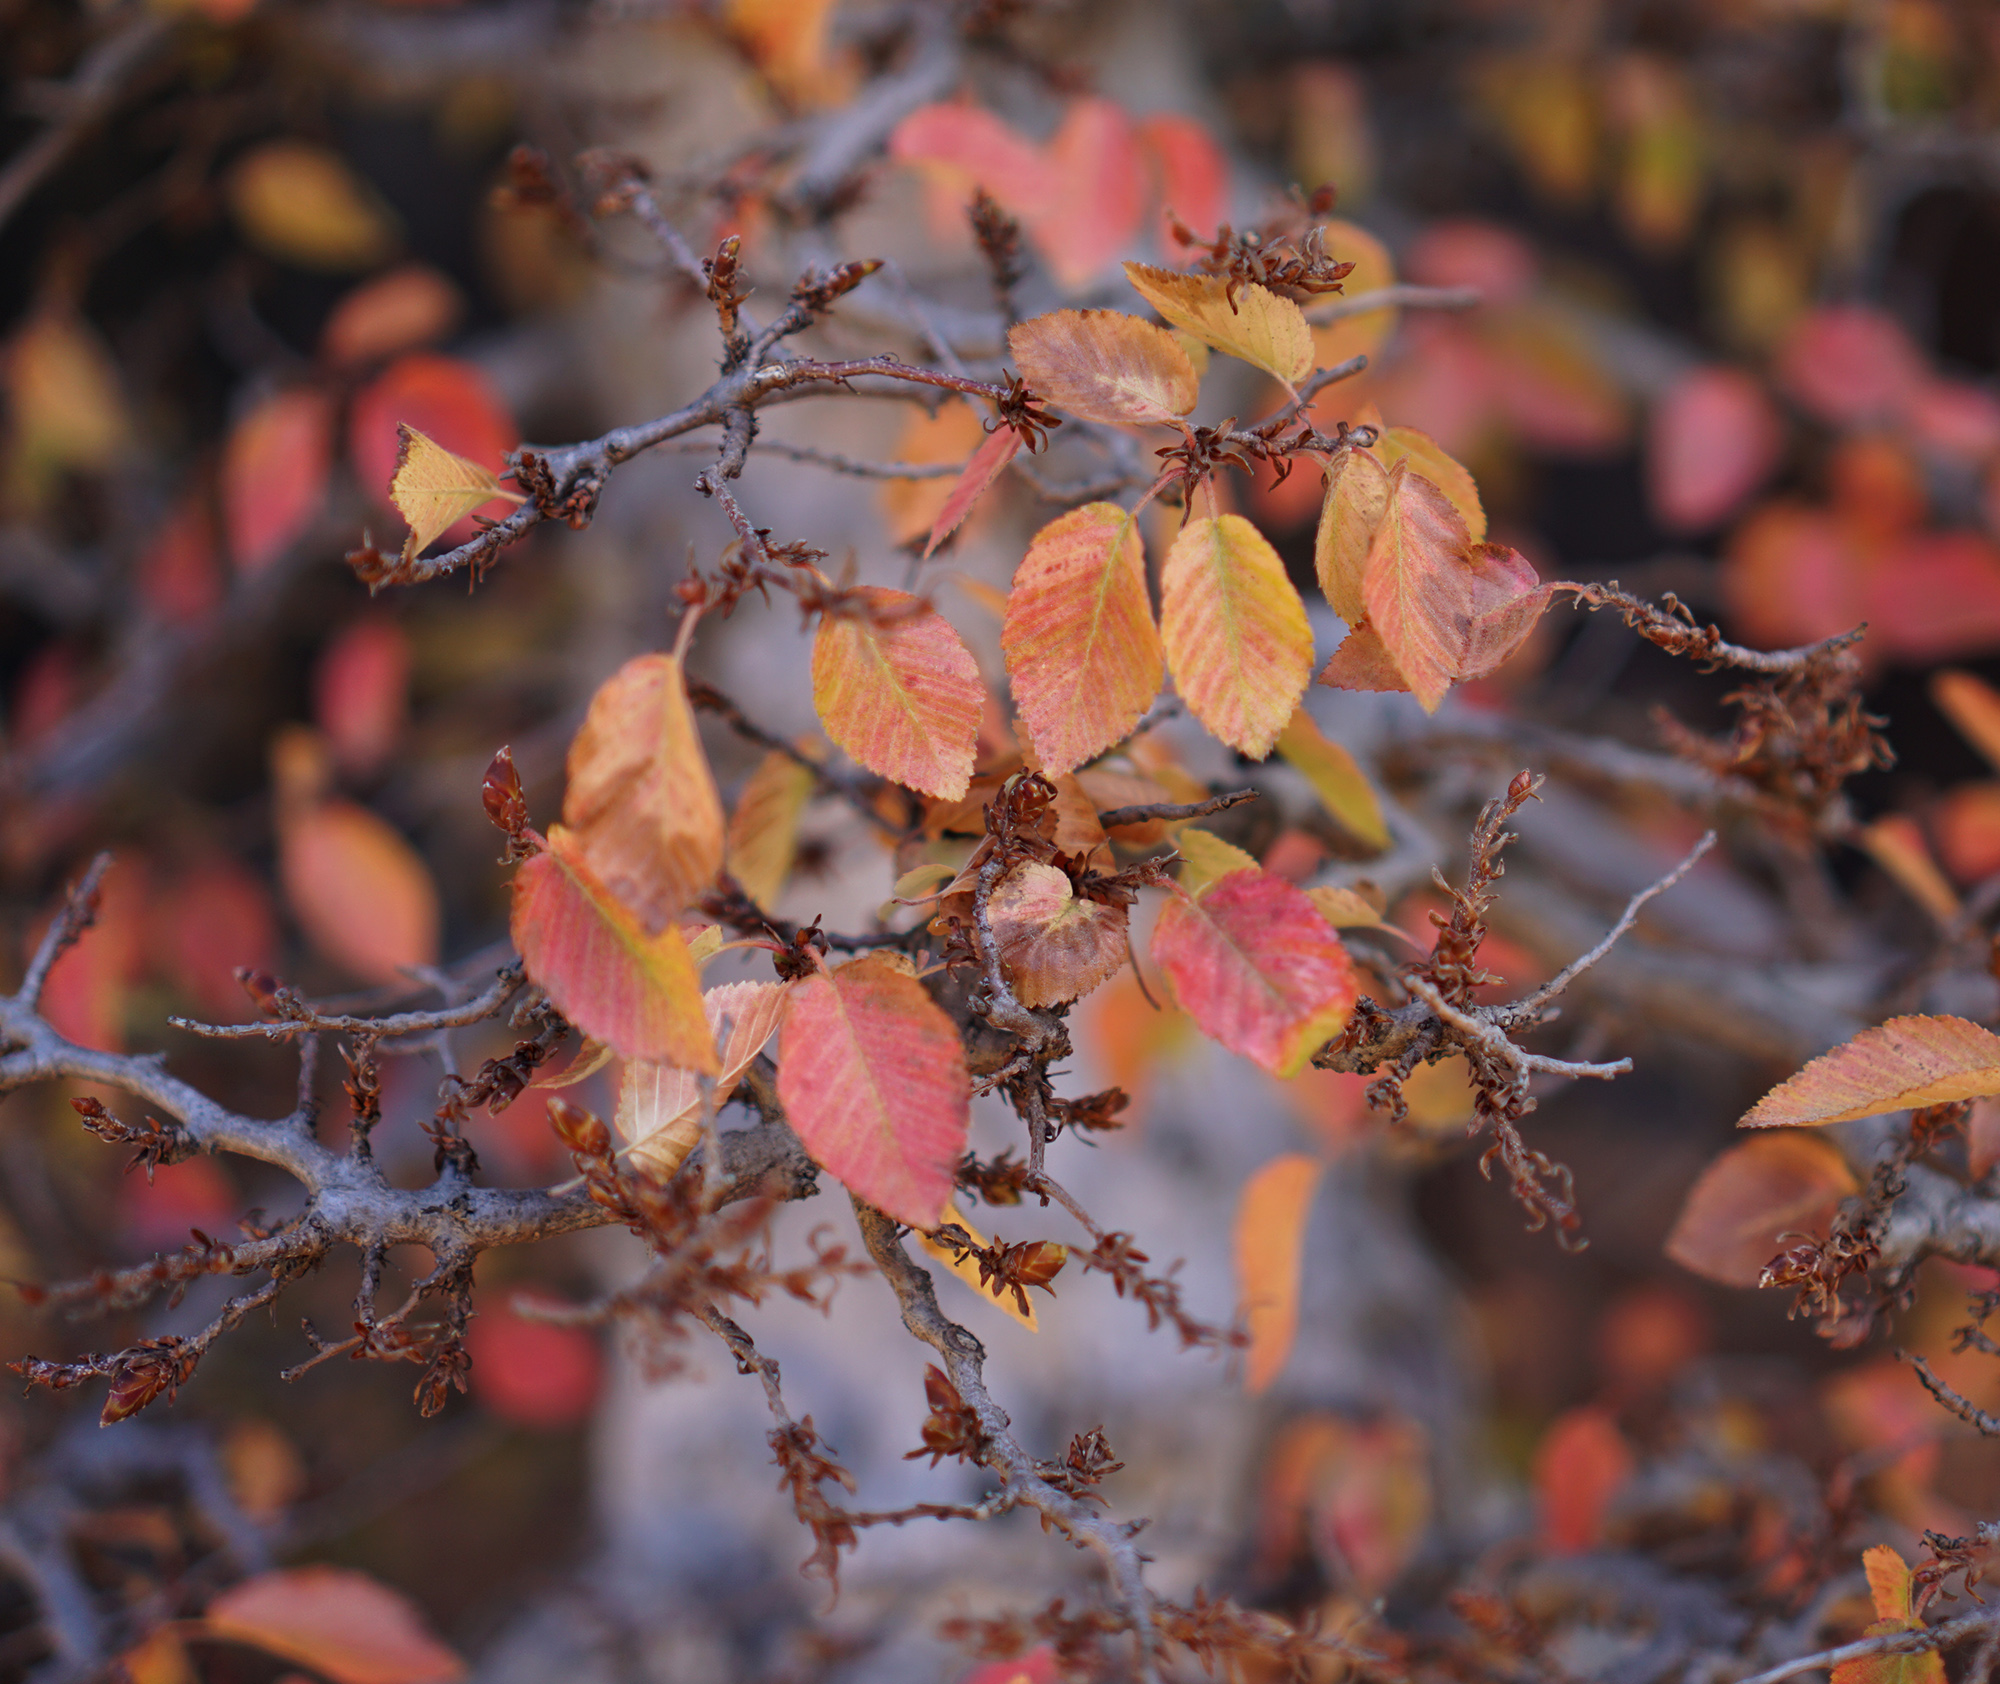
[1712, 439]
[641, 803]
[302, 204]
[1236, 634]
[1257, 968]
[987, 463]
[659, 1105]
[432, 488]
[966, 1267]
[1359, 1493]
[1083, 655]
[274, 473]
[763, 837]
[410, 306]
[1973, 707]
[1415, 589]
[1270, 1249]
[1257, 327]
[1580, 1465]
[1104, 365]
[1896, 1066]
[1190, 170]
[1336, 778]
[343, 1625]
[1890, 1583]
[1735, 1215]
[1054, 946]
[1896, 843]
[1363, 332]
[1357, 497]
[873, 1079]
[1206, 858]
[1099, 175]
[898, 690]
[361, 691]
[636, 992]
[448, 400]
[954, 434]
[1427, 457]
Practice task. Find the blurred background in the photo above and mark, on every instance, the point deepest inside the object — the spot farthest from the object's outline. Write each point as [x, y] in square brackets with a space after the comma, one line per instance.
[1738, 340]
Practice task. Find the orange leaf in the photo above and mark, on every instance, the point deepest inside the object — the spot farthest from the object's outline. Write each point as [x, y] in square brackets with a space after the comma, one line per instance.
[1429, 458]
[985, 467]
[964, 1265]
[1789, 576]
[899, 691]
[659, 1105]
[635, 992]
[1973, 707]
[1579, 1466]
[274, 472]
[361, 692]
[1340, 784]
[1054, 946]
[408, 307]
[1895, 1066]
[1362, 662]
[1416, 587]
[954, 434]
[1366, 331]
[788, 41]
[1257, 968]
[1357, 497]
[1730, 1226]
[1714, 437]
[1270, 1248]
[1889, 1587]
[764, 830]
[361, 893]
[1896, 844]
[641, 804]
[1257, 327]
[1362, 1489]
[1105, 366]
[342, 1624]
[873, 1078]
[1082, 651]
[1236, 633]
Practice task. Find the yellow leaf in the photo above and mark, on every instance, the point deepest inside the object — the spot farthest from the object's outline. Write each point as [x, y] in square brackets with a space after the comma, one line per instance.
[432, 487]
[1236, 634]
[1357, 495]
[1896, 844]
[1258, 327]
[302, 204]
[764, 829]
[1336, 779]
[1348, 909]
[966, 1267]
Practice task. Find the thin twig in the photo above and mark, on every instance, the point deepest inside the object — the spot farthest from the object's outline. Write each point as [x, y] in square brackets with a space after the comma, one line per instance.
[509, 982]
[1172, 812]
[1889, 1643]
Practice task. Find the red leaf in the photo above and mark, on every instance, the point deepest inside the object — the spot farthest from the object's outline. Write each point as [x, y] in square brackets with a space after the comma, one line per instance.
[408, 307]
[1848, 363]
[1730, 1226]
[361, 692]
[179, 575]
[1580, 1465]
[532, 1373]
[206, 923]
[897, 688]
[360, 892]
[1790, 577]
[971, 148]
[342, 1624]
[987, 464]
[274, 472]
[1714, 437]
[87, 989]
[446, 400]
[1082, 651]
[1257, 967]
[1934, 596]
[637, 993]
[873, 1078]
[1190, 170]
[1100, 181]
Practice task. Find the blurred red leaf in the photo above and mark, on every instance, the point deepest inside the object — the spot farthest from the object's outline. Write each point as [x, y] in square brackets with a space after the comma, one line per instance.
[156, 1213]
[1713, 439]
[986, 465]
[84, 998]
[1847, 363]
[1037, 1666]
[970, 147]
[274, 473]
[872, 1075]
[343, 1625]
[208, 920]
[532, 1373]
[361, 691]
[444, 398]
[1496, 260]
[1966, 823]
[1954, 418]
[1100, 201]
[179, 576]
[1935, 596]
[1790, 577]
[1731, 1224]
[361, 893]
[409, 306]
[1190, 172]
[1580, 1465]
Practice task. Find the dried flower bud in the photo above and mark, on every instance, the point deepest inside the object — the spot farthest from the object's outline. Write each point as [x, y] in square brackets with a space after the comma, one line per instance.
[263, 989]
[501, 793]
[579, 1129]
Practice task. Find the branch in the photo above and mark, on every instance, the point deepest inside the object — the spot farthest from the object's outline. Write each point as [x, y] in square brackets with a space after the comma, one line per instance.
[1890, 1643]
[1174, 811]
[512, 976]
[1673, 628]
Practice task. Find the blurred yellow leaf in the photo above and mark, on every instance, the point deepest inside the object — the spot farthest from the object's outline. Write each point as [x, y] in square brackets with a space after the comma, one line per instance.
[301, 203]
[64, 397]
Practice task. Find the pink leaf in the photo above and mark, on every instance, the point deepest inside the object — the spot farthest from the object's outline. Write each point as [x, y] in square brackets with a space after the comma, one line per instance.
[1848, 363]
[1712, 441]
[987, 464]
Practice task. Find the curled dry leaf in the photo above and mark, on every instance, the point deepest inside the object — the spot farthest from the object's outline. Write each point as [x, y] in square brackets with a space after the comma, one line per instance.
[897, 688]
[433, 489]
[1257, 968]
[763, 838]
[1895, 1066]
[659, 1105]
[1336, 778]
[1270, 1238]
[873, 1078]
[988, 462]
[636, 992]
[1054, 946]
[1104, 365]
[1236, 633]
[1258, 326]
[344, 1625]
[1082, 652]
[1740, 1207]
[641, 804]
